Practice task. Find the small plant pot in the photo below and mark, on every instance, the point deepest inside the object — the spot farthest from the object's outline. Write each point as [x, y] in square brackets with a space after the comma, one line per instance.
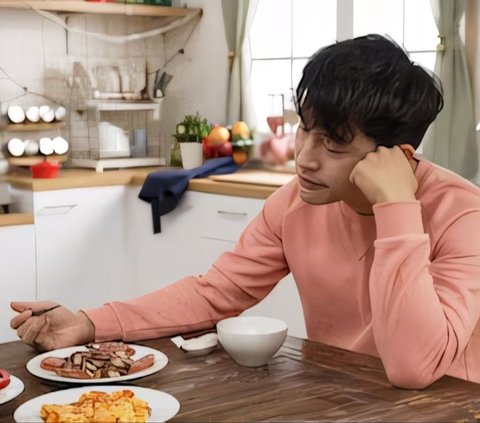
[192, 154]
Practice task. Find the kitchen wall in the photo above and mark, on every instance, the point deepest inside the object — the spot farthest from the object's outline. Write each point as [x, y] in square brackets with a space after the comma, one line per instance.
[38, 54]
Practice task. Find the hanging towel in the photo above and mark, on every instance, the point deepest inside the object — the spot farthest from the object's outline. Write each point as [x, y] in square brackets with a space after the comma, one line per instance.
[164, 189]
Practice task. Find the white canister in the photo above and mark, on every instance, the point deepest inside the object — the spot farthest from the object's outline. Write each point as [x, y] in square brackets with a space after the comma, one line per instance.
[16, 114]
[46, 146]
[33, 114]
[31, 147]
[16, 147]
[60, 145]
[60, 113]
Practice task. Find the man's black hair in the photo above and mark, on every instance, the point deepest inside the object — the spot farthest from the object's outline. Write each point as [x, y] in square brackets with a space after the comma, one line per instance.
[368, 84]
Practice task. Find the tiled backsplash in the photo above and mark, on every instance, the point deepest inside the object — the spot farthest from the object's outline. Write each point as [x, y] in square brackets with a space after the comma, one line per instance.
[39, 54]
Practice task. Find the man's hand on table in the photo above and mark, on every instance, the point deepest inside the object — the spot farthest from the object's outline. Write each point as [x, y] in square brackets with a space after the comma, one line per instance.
[54, 329]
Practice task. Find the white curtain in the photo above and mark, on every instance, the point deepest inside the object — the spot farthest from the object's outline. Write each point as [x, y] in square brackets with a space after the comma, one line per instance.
[238, 18]
[451, 140]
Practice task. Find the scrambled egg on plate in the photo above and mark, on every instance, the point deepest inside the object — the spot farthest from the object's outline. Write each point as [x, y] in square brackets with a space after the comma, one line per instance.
[94, 406]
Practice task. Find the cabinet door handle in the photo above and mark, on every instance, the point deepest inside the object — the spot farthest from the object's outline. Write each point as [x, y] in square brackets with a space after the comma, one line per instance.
[232, 213]
[50, 210]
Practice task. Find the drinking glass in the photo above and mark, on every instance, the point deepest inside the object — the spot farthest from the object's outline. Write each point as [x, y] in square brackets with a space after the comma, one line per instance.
[275, 118]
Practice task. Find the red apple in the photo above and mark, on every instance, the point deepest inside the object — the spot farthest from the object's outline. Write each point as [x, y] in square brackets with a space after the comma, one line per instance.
[225, 149]
[208, 149]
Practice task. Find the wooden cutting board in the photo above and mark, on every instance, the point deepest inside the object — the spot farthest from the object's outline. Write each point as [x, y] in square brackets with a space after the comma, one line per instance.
[256, 177]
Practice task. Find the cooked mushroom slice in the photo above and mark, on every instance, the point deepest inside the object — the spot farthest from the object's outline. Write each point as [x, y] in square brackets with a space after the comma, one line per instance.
[113, 373]
[117, 362]
[121, 354]
[97, 363]
[90, 366]
[77, 359]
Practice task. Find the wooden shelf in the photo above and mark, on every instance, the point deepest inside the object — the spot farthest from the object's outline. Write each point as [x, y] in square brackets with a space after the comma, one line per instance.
[116, 105]
[33, 160]
[40, 126]
[79, 6]
[101, 164]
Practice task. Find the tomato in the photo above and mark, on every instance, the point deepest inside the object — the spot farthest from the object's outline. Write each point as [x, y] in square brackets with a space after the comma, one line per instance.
[4, 378]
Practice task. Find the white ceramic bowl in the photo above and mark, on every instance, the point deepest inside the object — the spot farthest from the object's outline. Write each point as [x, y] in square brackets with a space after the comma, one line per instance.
[251, 340]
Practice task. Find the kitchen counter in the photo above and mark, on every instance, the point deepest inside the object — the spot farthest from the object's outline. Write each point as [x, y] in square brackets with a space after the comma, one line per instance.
[257, 184]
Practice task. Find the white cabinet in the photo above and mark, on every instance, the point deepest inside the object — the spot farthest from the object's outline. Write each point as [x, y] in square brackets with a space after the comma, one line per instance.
[81, 246]
[17, 272]
[193, 235]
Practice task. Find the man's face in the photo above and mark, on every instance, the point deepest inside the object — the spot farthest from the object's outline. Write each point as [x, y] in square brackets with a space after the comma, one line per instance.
[323, 167]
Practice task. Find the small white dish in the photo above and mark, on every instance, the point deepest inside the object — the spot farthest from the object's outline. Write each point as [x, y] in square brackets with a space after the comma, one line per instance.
[12, 390]
[201, 345]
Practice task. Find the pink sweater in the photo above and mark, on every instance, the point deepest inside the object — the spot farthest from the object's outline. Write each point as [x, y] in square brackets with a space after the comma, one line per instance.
[403, 284]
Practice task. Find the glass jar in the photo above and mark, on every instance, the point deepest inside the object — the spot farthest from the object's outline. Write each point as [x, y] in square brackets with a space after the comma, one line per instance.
[175, 154]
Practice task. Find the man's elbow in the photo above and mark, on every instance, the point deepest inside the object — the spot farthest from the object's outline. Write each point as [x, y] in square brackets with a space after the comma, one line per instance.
[409, 377]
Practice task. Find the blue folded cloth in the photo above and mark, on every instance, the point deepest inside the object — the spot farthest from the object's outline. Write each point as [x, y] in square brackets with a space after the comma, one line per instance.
[164, 189]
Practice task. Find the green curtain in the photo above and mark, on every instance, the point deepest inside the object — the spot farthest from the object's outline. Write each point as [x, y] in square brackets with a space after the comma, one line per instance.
[238, 17]
[451, 140]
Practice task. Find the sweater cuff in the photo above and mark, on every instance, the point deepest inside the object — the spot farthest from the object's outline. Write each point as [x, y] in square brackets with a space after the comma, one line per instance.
[398, 218]
[107, 325]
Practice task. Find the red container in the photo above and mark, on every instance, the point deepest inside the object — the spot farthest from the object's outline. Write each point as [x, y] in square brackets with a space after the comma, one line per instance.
[45, 170]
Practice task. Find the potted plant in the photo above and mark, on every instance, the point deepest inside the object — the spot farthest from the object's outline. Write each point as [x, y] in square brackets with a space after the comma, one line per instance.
[189, 134]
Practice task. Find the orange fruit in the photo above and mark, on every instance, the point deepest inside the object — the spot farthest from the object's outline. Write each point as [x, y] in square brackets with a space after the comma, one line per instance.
[240, 156]
[218, 135]
[240, 131]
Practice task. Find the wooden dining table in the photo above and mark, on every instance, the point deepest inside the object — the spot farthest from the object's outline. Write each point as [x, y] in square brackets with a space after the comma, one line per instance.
[304, 381]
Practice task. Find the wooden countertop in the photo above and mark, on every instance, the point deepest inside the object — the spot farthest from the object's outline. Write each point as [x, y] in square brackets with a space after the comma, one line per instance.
[257, 184]
[305, 381]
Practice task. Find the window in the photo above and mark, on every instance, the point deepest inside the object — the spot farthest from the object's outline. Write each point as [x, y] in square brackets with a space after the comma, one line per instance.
[285, 33]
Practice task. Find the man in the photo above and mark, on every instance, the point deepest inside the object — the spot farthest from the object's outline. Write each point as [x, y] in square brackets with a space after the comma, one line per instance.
[384, 248]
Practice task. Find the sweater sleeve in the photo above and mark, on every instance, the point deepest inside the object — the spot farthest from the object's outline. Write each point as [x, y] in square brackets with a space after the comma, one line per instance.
[235, 282]
[425, 304]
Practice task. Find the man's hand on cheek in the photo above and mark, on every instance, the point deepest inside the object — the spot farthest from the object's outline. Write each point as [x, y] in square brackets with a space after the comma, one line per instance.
[385, 175]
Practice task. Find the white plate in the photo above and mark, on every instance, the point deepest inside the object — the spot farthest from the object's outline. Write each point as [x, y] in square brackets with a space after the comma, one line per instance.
[164, 406]
[33, 366]
[12, 390]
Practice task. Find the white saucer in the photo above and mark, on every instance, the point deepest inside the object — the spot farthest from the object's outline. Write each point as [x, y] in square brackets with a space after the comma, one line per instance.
[12, 390]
